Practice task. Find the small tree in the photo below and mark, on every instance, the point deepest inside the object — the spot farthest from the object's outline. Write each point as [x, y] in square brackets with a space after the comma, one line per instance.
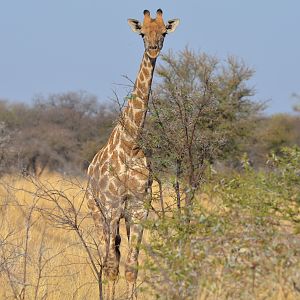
[199, 112]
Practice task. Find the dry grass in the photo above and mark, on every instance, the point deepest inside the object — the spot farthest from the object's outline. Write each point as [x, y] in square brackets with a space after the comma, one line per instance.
[57, 265]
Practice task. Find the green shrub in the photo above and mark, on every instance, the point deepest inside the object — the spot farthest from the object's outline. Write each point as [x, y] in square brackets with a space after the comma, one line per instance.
[239, 241]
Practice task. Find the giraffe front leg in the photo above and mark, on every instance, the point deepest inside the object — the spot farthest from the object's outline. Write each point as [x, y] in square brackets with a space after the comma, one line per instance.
[136, 234]
[131, 267]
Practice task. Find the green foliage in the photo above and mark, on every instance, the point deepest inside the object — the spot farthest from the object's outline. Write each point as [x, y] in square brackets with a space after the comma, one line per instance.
[239, 241]
[275, 190]
[199, 111]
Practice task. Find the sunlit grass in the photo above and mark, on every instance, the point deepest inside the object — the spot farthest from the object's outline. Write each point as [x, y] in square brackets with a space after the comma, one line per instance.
[57, 265]
[67, 273]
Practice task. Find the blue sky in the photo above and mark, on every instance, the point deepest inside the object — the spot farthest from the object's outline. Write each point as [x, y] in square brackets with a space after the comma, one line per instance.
[54, 46]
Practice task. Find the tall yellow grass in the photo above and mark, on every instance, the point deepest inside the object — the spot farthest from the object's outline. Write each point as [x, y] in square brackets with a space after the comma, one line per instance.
[56, 261]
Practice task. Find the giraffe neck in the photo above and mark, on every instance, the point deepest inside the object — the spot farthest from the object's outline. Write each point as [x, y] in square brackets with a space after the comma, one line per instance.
[143, 83]
[135, 113]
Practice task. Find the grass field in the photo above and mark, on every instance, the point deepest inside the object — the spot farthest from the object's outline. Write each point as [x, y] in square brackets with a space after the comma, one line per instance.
[51, 259]
[246, 259]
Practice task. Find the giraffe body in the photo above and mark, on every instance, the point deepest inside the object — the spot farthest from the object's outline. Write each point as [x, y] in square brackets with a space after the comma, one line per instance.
[119, 174]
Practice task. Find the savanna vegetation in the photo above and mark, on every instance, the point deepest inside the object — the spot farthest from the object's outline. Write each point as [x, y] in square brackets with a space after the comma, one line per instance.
[225, 215]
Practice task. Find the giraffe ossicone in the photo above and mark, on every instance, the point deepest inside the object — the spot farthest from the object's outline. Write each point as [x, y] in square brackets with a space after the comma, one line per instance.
[119, 178]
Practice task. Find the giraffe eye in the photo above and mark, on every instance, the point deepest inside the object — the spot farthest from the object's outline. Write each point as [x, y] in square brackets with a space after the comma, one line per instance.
[142, 35]
[164, 33]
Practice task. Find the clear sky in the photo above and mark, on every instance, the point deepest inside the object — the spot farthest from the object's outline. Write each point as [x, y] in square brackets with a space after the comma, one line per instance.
[54, 46]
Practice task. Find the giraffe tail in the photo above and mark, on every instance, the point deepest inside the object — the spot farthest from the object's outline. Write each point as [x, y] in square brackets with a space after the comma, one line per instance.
[127, 224]
[127, 218]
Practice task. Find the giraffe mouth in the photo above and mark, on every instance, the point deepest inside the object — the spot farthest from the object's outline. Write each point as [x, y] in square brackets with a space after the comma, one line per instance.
[153, 53]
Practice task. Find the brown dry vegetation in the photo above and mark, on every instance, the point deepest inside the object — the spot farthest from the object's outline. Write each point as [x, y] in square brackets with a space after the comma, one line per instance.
[39, 260]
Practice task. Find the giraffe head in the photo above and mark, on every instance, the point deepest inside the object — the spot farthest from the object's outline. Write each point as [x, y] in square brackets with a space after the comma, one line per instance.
[153, 31]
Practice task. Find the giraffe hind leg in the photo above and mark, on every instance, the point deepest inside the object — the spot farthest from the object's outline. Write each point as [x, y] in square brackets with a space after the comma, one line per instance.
[107, 255]
[111, 268]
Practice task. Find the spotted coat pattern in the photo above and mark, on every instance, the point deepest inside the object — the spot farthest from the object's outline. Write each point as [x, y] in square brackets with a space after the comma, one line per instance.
[119, 174]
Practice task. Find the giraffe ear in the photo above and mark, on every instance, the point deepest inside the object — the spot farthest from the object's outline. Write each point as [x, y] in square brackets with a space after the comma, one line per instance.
[172, 25]
[135, 25]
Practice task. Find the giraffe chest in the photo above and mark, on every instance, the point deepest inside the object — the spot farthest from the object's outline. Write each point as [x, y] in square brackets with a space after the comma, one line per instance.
[119, 169]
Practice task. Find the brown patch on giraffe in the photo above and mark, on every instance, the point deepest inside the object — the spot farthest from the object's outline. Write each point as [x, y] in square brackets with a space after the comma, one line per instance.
[103, 182]
[104, 168]
[139, 173]
[141, 97]
[104, 155]
[126, 110]
[130, 114]
[117, 136]
[121, 189]
[137, 103]
[126, 146]
[139, 117]
[142, 87]
[115, 203]
[111, 197]
[115, 141]
[112, 143]
[142, 78]
[137, 152]
[130, 127]
[117, 167]
[92, 205]
[133, 184]
[93, 182]
[146, 72]
[114, 156]
[145, 62]
[123, 178]
[122, 156]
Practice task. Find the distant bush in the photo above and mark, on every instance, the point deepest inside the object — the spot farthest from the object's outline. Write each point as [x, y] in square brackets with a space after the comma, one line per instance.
[60, 132]
[5, 139]
[271, 134]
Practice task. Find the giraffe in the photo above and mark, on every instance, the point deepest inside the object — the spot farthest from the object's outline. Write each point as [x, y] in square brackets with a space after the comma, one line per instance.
[119, 180]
